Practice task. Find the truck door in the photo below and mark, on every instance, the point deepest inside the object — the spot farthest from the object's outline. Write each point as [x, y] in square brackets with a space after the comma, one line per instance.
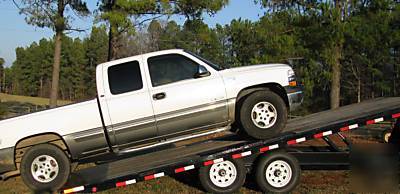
[126, 104]
[183, 103]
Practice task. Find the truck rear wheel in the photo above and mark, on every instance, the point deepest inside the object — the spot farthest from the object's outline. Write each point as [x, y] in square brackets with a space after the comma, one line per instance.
[263, 114]
[277, 172]
[224, 177]
[45, 168]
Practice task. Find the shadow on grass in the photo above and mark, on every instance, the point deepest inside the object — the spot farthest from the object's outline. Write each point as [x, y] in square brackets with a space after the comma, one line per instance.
[189, 178]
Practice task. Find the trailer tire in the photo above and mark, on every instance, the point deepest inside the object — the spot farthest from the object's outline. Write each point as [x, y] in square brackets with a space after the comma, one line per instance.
[263, 114]
[277, 172]
[45, 168]
[224, 177]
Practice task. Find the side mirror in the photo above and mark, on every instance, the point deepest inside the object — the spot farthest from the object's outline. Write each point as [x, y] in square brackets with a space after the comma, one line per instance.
[202, 72]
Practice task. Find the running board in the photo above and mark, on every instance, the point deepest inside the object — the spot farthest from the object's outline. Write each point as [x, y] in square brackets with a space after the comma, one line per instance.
[174, 140]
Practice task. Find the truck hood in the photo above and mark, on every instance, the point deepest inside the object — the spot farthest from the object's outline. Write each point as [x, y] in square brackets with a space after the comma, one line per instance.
[236, 79]
[255, 68]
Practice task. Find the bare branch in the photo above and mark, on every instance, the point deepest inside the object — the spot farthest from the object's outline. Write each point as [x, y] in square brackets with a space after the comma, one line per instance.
[16, 5]
[76, 30]
[148, 19]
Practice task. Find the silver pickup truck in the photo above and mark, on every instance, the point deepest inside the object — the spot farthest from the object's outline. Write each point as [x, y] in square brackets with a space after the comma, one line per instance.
[146, 101]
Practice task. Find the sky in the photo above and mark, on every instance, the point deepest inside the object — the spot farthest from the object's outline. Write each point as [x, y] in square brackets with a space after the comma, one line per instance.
[15, 32]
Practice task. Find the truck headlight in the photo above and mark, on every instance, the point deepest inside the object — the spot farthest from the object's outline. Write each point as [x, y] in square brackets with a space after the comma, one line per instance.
[291, 78]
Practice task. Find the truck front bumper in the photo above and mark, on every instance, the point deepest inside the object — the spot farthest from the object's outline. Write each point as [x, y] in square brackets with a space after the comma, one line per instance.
[295, 96]
[7, 160]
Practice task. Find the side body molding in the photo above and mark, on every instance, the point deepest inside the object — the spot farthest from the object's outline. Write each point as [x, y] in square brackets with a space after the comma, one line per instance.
[86, 143]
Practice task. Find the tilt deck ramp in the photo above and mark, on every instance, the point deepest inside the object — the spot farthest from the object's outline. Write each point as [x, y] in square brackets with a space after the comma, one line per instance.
[170, 161]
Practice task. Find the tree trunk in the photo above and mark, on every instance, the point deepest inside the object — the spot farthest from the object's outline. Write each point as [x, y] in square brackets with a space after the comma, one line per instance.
[358, 90]
[111, 53]
[336, 67]
[56, 70]
[110, 44]
[59, 28]
[41, 87]
[335, 83]
[394, 80]
[372, 86]
[4, 82]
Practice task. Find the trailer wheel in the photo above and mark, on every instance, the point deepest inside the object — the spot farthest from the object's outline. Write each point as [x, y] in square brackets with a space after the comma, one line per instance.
[278, 172]
[224, 177]
[263, 114]
[45, 168]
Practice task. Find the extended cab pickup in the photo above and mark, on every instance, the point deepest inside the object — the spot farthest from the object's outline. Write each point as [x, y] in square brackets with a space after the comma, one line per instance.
[145, 101]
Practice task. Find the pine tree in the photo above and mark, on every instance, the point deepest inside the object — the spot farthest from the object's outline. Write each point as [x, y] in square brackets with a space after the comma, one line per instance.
[51, 14]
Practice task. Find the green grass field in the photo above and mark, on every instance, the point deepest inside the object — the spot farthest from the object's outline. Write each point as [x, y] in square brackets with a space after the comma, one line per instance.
[28, 99]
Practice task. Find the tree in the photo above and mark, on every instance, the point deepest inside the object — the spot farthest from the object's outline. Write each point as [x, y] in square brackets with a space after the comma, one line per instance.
[119, 14]
[169, 38]
[244, 44]
[51, 14]
[330, 17]
[194, 9]
[96, 48]
[154, 30]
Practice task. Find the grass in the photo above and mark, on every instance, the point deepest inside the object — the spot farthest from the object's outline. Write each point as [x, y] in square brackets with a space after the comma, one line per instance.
[27, 99]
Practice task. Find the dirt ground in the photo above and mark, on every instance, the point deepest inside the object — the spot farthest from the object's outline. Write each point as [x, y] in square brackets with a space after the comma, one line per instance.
[187, 182]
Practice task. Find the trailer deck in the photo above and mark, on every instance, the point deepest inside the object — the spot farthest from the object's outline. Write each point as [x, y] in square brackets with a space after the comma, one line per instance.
[175, 160]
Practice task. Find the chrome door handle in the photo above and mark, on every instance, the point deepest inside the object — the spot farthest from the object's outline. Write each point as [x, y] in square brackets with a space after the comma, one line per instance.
[159, 96]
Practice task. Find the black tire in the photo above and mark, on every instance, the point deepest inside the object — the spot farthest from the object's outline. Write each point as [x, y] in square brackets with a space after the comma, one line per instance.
[55, 182]
[261, 172]
[246, 114]
[209, 186]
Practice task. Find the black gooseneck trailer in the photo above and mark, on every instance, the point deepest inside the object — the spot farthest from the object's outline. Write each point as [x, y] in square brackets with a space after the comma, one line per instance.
[223, 162]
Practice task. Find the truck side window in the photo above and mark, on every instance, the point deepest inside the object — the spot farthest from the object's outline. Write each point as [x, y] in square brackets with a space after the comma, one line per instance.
[171, 68]
[125, 77]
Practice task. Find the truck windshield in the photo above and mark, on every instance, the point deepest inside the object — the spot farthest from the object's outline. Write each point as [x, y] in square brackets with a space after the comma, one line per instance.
[211, 64]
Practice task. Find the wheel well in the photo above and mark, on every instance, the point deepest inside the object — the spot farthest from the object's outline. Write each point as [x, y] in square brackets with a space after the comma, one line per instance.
[24, 144]
[274, 87]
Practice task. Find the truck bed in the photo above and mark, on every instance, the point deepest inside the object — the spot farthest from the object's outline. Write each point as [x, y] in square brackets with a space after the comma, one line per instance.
[142, 167]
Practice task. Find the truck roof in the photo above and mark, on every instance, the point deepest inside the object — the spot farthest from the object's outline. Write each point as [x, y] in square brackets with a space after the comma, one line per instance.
[126, 59]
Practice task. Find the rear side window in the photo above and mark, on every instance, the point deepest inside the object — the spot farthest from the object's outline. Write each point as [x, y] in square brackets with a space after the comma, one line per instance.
[125, 77]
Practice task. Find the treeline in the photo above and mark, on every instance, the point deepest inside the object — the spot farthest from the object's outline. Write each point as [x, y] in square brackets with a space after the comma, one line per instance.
[31, 72]
[347, 50]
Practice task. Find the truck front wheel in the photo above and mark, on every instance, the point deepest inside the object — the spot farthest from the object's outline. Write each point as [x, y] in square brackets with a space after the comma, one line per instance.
[263, 114]
[224, 177]
[45, 168]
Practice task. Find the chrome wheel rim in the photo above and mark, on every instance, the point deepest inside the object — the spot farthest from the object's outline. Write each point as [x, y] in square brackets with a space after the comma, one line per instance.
[223, 174]
[278, 173]
[264, 115]
[387, 136]
[44, 168]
